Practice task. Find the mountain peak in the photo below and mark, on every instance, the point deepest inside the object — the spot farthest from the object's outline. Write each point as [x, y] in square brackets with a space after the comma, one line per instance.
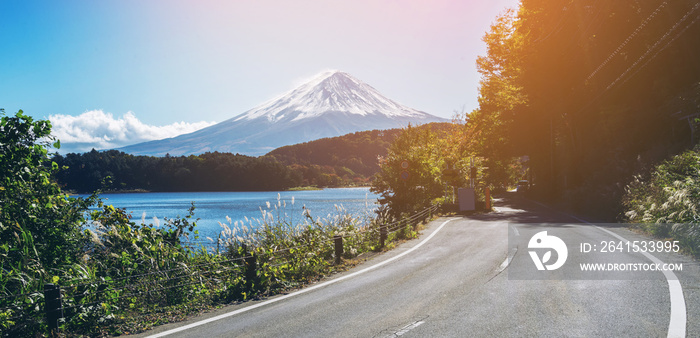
[329, 74]
[338, 81]
[330, 91]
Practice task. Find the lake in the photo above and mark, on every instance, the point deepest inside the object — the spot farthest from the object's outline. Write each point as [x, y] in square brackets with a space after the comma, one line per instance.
[214, 207]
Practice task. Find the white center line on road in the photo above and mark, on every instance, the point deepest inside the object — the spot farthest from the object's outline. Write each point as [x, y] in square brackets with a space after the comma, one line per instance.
[305, 290]
[407, 328]
[508, 259]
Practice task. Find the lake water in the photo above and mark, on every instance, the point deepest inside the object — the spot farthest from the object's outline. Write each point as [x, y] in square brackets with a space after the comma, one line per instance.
[214, 207]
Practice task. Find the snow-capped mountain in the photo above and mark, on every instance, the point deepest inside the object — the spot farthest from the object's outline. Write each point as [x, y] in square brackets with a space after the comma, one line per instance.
[332, 104]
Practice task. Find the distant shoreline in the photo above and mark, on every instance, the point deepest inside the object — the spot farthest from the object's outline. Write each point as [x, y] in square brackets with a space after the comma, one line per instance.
[307, 188]
[313, 187]
[139, 191]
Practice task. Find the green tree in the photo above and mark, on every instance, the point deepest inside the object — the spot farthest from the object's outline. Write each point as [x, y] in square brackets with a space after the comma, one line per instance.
[410, 176]
[39, 225]
[494, 132]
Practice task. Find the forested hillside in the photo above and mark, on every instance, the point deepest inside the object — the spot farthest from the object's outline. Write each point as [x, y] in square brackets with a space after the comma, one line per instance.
[116, 170]
[357, 151]
[330, 162]
[355, 154]
[591, 91]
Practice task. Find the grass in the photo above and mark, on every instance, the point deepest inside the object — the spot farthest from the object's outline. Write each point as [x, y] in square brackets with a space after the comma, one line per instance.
[665, 202]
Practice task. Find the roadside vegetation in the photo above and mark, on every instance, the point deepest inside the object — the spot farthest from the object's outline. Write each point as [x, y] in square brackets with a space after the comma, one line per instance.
[118, 275]
[425, 167]
[666, 201]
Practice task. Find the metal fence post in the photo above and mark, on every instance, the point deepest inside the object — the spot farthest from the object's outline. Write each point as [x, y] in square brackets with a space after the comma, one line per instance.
[54, 308]
[382, 236]
[250, 270]
[338, 248]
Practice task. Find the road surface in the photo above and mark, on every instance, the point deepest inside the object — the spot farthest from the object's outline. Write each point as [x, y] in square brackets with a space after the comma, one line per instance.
[458, 280]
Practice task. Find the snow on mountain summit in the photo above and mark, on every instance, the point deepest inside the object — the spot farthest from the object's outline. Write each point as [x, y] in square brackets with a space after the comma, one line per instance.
[331, 91]
[331, 104]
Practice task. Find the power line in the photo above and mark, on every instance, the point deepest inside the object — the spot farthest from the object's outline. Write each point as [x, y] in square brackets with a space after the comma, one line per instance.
[629, 38]
[558, 27]
[649, 50]
[668, 33]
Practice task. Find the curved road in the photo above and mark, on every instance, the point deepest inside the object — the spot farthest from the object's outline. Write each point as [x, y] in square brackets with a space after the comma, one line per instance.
[460, 279]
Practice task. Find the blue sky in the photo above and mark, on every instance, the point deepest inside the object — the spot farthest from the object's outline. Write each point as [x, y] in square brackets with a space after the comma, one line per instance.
[110, 73]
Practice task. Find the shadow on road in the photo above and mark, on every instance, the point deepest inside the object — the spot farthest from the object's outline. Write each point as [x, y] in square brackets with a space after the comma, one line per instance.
[513, 208]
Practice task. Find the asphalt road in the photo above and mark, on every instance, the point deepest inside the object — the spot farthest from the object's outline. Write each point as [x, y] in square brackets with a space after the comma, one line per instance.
[474, 276]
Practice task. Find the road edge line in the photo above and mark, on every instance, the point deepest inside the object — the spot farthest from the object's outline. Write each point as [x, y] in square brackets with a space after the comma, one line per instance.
[678, 319]
[296, 293]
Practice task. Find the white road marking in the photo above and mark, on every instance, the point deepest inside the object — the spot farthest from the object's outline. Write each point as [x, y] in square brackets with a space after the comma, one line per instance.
[305, 290]
[509, 259]
[677, 322]
[512, 251]
[407, 328]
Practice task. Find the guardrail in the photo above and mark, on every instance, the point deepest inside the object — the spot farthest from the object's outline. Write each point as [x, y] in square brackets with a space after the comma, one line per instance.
[58, 302]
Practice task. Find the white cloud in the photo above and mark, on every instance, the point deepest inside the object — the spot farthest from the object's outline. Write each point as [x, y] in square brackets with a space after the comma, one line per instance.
[100, 130]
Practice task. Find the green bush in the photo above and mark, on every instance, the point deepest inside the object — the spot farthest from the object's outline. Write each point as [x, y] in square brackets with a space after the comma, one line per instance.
[670, 195]
[666, 203]
[39, 225]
